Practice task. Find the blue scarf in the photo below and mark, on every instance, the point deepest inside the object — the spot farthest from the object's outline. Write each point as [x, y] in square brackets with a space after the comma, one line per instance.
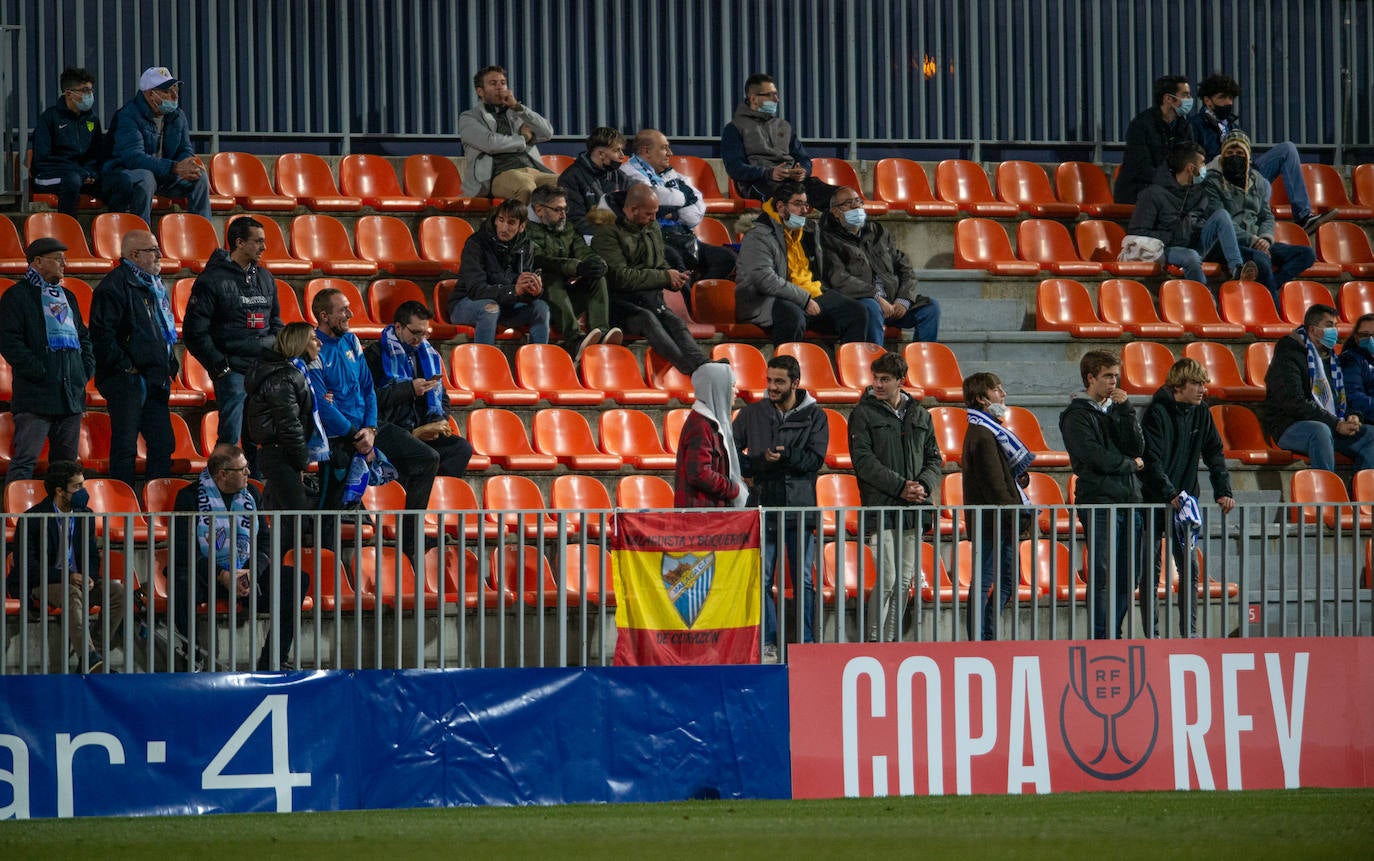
[227, 554]
[397, 368]
[1329, 395]
[1018, 457]
[364, 470]
[57, 313]
[164, 305]
[318, 445]
[1187, 521]
[655, 179]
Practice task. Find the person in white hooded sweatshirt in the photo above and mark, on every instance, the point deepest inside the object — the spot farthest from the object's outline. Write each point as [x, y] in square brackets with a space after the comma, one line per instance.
[708, 471]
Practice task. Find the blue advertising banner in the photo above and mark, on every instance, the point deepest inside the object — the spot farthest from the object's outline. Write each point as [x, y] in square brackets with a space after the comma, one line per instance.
[221, 743]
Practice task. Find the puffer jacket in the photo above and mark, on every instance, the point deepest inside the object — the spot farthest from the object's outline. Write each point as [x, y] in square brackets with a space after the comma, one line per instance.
[489, 267]
[1102, 450]
[859, 265]
[889, 451]
[803, 433]
[64, 141]
[761, 271]
[1357, 367]
[278, 407]
[135, 136]
[1170, 212]
[232, 315]
[1176, 435]
[586, 184]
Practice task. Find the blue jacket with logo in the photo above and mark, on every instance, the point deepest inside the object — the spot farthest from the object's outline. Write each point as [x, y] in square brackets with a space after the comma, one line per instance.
[341, 370]
[64, 141]
[135, 134]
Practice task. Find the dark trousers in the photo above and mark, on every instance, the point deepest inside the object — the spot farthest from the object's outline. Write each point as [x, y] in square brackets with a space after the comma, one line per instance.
[68, 185]
[1282, 264]
[818, 193]
[664, 331]
[997, 576]
[291, 588]
[63, 434]
[710, 261]
[136, 407]
[1120, 532]
[283, 490]
[454, 454]
[1160, 522]
[416, 463]
[840, 315]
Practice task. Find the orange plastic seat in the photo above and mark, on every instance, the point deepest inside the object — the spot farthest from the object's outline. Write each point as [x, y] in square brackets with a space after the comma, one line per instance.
[1297, 296]
[857, 564]
[159, 494]
[937, 586]
[462, 581]
[107, 235]
[1063, 305]
[500, 435]
[1101, 241]
[1026, 185]
[244, 178]
[582, 570]
[1044, 493]
[1042, 561]
[950, 423]
[632, 435]
[567, 436]
[750, 367]
[699, 173]
[902, 184]
[933, 369]
[453, 501]
[1279, 203]
[836, 490]
[1357, 299]
[854, 361]
[1024, 424]
[1289, 233]
[36, 195]
[951, 499]
[557, 163]
[713, 303]
[1326, 190]
[1128, 304]
[548, 370]
[436, 180]
[1362, 179]
[12, 257]
[195, 377]
[442, 238]
[371, 178]
[837, 447]
[838, 172]
[1318, 486]
[819, 376]
[674, 302]
[20, 494]
[65, 229]
[1190, 304]
[307, 178]
[385, 295]
[583, 499]
[982, 244]
[613, 369]
[527, 571]
[516, 503]
[83, 292]
[668, 379]
[1250, 304]
[1338, 242]
[712, 232]
[1144, 366]
[330, 587]
[1224, 371]
[111, 495]
[443, 290]
[484, 371]
[637, 492]
[385, 240]
[1049, 244]
[390, 580]
[188, 237]
[673, 421]
[1243, 439]
[1084, 184]
[322, 240]
[361, 324]
[965, 184]
[747, 203]
[1257, 358]
[275, 256]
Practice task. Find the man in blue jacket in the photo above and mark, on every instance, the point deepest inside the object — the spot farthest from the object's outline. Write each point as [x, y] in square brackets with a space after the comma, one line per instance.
[152, 150]
[68, 143]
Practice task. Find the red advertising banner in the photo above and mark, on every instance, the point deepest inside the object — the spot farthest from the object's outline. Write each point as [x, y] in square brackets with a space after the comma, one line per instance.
[1038, 717]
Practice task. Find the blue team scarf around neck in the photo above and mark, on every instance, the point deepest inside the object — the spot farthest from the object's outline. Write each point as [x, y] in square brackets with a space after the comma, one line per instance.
[1018, 457]
[228, 553]
[1329, 394]
[57, 313]
[318, 445]
[396, 366]
[164, 305]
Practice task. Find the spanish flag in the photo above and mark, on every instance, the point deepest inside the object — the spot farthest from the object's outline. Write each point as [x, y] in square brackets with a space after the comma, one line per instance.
[686, 587]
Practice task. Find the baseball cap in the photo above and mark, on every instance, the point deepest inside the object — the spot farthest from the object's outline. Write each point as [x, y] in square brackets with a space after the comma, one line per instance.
[156, 78]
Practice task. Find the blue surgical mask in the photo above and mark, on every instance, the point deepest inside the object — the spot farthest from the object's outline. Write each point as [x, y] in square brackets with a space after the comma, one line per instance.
[795, 222]
[1367, 344]
[1185, 106]
[86, 102]
[769, 107]
[1329, 337]
[169, 106]
[81, 499]
[1202, 173]
[855, 217]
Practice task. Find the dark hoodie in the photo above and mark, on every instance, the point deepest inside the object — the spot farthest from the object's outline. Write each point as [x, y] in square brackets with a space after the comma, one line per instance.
[489, 267]
[232, 315]
[586, 184]
[803, 432]
[1288, 392]
[1170, 212]
[1102, 450]
[1176, 435]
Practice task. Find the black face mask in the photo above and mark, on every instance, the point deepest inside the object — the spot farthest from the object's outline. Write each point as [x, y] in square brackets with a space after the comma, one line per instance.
[1223, 112]
[1235, 168]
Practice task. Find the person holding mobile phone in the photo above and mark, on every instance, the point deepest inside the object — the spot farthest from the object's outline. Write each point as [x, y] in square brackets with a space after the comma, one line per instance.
[761, 149]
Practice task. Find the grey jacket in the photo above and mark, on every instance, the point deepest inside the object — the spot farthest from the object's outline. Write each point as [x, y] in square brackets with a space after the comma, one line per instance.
[1249, 206]
[477, 129]
[761, 272]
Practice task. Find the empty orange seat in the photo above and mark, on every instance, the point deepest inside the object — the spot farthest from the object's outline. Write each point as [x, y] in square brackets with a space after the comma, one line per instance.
[582, 498]
[1338, 242]
[1297, 296]
[65, 229]
[1257, 358]
[712, 232]
[276, 257]
[699, 173]
[307, 178]
[668, 379]
[516, 503]
[567, 436]
[244, 178]
[837, 447]
[1319, 487]
[1289, 233]
[1128, 304]
[1026, 185]
[1085, 184]
[1190, 304]
[110, 495]
[613, 369]
[436, 180]
[13, 260]
[819, 376]
[1024, 424]
[965, 184]
[385, 240]
[846, 570]
[675, 303]
[1243, 439]
[527, 571]
[83, 292]
[1044, 563]
[1362, 178]
[1223, 371]
[484, 370]
[672, 428]
[557, 163]
[838, 172]
[548, 370]
[1357, 299]
[632, 435]
[1144, 365]
[713, 302]
[1049, 244]
[584, 568]
[636, 492]
[951, 424]
[371, 178]
[189, 238]
[933, 369]
[1326, 190]
[1063, 305]
[750, 367]
[902, 184]
[323, 241]
[1250, 304]
[442, 238]
[361, 324]
[1101, 241]
[453, 506]
[1043, 492]
[836, 490]
[982, 244]
[500, 435]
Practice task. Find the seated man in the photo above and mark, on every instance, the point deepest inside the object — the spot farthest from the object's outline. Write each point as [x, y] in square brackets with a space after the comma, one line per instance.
[1239, 190]
[680, 208]
[1216, 117]
[499, 136]
[761, 150]
[862, 262]
[408, 373]
[593, 175]
[1152, 134]
[496, 281]
[68, 143]
[574, 277]
[779, 286]
[638, 273]
[229, 554]
[62, 562]
[152, 151]
[1305, 408]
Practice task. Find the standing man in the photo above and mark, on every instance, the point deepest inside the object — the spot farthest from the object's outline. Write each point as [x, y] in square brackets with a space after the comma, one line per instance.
[132, 335]
[46, 343]
[232, 316]
[499, 136]
[594, 175]
[637, 273]
[1152, 134]
[897, 463]
[152, 150]
[782, 445]
[761, 149]
[574, 276]
[68, 143]
[1178, 430]
[1106, 446]
[863, 263]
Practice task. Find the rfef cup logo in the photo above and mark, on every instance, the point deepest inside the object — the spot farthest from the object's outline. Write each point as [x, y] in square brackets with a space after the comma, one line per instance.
[1110, 691]
[688, 577]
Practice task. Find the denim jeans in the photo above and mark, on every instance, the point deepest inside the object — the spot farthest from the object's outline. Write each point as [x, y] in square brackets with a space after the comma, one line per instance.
[1220, 230]
[1282, 160]
[229, 397]
[998, 542]
[1282, 264]
[137, 408]
[924, 319]
[133, 190]
[1320, 444]
[1188, 260]
[1110, 584]
[792, 529]
[484, 315]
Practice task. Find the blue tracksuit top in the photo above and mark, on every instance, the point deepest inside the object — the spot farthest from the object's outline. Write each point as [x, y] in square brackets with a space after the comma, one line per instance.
[342, 371]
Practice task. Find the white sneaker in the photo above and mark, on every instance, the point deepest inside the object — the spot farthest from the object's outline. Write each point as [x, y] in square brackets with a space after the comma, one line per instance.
[613, 336]
[770, 654]
[592, 337]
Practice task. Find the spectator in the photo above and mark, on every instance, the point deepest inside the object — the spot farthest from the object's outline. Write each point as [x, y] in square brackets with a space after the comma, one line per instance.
[62, 559]
[708, 468]
[779, 276]
[761, 149]
[681, 207]
[995, 466]
[573, 275]
[152, 151]
[1105, 448]
[897, 463]
[1357, 368]
[1178, 430]
[69, 144]
[1305, 405]
[782, 444]
[132, 336]
[638, 273]
[497, 284]
[229, 552]
[232, 316]
[408, 373]
[594, 175]
[863, 263]
[1152, 135]
[1216, 117]
[1240, 191]
[499, 136]
[46, 343]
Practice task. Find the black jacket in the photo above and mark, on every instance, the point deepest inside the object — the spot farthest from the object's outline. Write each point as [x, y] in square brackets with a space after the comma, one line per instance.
[232, 316]
[889, 451]
[803, 433]
[1148, 141]
[64, 141]
[1175, 436]
[278, 407]
[859, 265]
[489, 268]
[46, 382]
[40, 532]
[1102, 450]
[1170, 212]
[126, 333]
[1288, 397]
[181, 536]
[396, 402]
[585, 184]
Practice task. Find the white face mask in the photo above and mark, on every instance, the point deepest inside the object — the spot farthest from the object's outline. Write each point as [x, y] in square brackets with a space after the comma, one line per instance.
[997, 411]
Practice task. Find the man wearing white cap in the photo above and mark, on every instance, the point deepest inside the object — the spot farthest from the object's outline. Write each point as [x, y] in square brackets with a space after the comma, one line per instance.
[152, 151]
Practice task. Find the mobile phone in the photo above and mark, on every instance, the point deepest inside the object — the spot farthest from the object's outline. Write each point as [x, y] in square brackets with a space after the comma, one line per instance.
[433, 378]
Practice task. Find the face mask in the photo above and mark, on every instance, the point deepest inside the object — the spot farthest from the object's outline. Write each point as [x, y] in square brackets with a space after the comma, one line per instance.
[795, 222]
[169, 106]
[769, 108]
[997, 411]
[1185, 106]
[1367, 344]
[86, 102]
[81, 499]
[1329, 337]
[1223, 112]
[1235, 168]
[855, 217]
[1202, 173]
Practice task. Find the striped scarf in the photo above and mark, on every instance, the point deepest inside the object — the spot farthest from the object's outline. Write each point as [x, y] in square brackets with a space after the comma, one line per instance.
[318, 444]
[230, 553]
[1187, 521]
[397, 368]
[164, 306]
[57, 313]
[1018, 457]
[1328, 393]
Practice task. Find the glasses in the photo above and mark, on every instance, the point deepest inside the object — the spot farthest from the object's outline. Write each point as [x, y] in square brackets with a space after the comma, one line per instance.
[560, 210]
[799, 208]
[417, 333]
[56, 258]
[83, 91]
[153, 250]
[852, 203]
[240, 469]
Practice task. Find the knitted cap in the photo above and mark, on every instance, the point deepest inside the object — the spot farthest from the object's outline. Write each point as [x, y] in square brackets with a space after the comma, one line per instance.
[1236, 137]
